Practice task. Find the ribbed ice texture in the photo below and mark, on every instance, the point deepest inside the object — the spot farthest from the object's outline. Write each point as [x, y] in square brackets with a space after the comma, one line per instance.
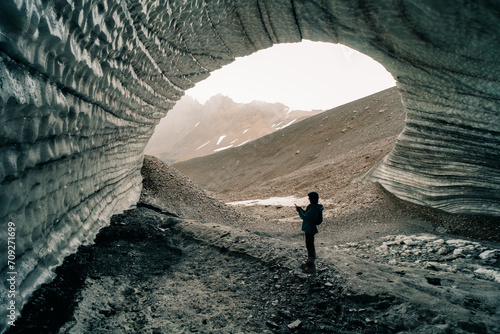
[83, 83]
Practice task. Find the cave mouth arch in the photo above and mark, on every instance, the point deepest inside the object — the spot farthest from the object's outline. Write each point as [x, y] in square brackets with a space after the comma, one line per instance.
[284, 83]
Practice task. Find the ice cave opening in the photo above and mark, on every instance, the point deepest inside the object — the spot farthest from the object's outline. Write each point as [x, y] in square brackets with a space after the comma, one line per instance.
[292, 80]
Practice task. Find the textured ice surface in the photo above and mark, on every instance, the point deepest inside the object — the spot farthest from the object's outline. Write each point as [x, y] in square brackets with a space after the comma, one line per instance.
[83, 84]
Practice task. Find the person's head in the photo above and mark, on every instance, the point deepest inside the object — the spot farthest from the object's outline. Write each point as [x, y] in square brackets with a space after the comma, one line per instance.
[313, 197]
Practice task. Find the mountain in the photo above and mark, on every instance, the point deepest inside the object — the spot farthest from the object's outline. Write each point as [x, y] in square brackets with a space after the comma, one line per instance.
[326, 151]
[192, 129]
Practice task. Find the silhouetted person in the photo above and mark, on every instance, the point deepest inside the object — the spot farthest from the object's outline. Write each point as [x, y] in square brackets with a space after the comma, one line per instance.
[311, 216]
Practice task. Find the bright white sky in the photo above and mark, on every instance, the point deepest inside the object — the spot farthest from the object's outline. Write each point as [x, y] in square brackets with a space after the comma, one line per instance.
[305, 76]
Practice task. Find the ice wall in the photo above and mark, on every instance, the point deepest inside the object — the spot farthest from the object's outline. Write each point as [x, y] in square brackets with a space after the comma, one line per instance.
[83, 83]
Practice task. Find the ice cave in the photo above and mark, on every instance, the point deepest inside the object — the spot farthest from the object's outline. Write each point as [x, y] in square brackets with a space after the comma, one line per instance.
[83, 84]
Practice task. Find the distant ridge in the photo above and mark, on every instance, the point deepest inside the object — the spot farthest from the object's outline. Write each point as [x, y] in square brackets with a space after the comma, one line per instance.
[192, 129]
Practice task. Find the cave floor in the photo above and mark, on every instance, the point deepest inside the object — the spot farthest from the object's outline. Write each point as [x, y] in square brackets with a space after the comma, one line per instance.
[149, 272]
[143, 276]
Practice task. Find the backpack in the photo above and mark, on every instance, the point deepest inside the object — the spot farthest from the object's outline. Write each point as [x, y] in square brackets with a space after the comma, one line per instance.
[319, 220]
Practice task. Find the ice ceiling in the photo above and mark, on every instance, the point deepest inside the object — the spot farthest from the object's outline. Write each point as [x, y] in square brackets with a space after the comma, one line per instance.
[83, 83]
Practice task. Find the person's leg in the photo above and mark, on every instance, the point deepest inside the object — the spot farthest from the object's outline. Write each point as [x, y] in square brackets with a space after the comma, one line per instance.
[311, 252]
[304, 264]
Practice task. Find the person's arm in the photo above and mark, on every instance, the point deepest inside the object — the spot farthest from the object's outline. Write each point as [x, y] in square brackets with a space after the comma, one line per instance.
[309, 214]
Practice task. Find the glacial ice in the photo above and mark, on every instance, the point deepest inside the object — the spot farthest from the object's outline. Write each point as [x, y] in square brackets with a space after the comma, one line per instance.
[83, 84]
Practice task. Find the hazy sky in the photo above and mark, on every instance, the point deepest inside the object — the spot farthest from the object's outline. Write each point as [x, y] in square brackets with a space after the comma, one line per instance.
[307, 75]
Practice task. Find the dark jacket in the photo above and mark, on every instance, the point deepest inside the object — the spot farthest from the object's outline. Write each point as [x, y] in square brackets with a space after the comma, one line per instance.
[309, 217]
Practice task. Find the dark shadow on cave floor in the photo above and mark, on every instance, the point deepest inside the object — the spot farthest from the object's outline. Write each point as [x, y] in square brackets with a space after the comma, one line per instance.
[131, 245]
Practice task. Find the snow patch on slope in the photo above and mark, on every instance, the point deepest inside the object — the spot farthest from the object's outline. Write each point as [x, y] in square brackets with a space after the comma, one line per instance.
[203, 145]
[221, 138]
[223, 148]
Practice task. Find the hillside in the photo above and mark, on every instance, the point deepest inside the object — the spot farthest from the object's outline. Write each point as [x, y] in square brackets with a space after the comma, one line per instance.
[192, 129]
[327, 150]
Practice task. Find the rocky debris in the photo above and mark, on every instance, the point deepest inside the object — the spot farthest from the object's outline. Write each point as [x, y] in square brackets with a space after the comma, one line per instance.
[168, 190]
[433, 253]
[449, 282]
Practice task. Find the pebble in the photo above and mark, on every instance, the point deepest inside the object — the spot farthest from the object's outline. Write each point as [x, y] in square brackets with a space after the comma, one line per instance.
[294, 325]
[443, 251]
[272, 324]
[489, 254]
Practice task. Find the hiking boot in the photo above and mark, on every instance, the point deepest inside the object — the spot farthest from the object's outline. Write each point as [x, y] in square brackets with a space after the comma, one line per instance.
[310, 268]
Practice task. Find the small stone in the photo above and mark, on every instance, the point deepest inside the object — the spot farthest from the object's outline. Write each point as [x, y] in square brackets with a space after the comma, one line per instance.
[431, 266]
[443, 251]
[294, 325]
[272, 324]
[438, 242]
[442, 230]
[489, 254]
[411, 242]
[433, 280]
